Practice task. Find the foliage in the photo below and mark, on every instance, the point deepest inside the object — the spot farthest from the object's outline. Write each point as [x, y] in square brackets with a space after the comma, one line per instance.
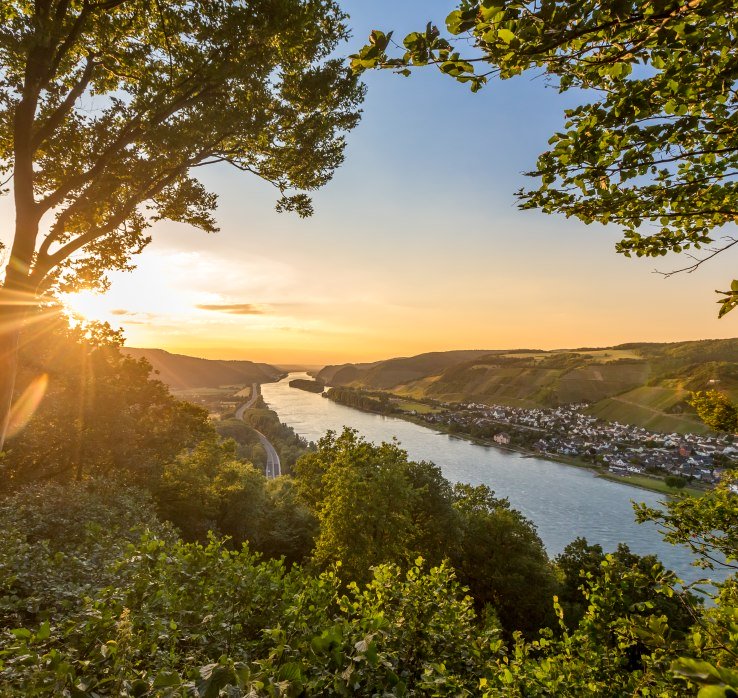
[716, 410]
[310, 386]
[58, 541]
[210, 489]
[101, 414]
[174, 86]
[288, 444]
[675, 481]
[654, 149]
[182, 618]
[92, 604]
[500, 557]
[248, 444]
[376, 506]
[378, 402]
[582, 566]
[363, 499]
[708, 525]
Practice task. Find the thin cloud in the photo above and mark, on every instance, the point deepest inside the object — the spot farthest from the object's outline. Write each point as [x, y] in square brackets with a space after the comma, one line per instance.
[232, 308]
[132, 316]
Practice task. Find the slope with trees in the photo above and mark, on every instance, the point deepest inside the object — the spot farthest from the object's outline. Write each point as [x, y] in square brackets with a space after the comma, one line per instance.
[181, 372]
[102, 598]
[646, 384]
[99, 412]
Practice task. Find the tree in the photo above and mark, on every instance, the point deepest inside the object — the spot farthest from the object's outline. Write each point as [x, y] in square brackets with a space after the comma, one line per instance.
[101, 414]
[501, 558]
[375, 506]
[582, 567]
[363, 500]
[209, 489]
[107, 106]
[655, 151]
[716, 410]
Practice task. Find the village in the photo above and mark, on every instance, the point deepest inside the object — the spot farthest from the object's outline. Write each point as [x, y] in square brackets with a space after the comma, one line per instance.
[569, 432]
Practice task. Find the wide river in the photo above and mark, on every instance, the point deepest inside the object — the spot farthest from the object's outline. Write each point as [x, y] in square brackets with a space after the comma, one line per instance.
[564, 502]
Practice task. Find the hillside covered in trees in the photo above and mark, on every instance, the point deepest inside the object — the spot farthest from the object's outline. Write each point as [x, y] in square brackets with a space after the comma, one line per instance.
[143, 554]
[643, 384]
[181, 372]
[164, 563]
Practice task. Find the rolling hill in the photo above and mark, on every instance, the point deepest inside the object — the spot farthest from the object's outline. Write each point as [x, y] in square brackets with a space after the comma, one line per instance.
[644, 384]
[383, 375]
[181, 372]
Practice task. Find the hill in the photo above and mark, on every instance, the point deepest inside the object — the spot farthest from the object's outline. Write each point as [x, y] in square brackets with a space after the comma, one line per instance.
[383, 375]
[643, 384]
[181, 372]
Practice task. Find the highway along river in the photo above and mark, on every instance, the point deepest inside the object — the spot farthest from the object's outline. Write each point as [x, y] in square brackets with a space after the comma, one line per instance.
[564, 502]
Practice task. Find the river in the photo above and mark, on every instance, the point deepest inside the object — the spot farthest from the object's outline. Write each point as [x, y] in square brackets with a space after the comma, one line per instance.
[564, 502]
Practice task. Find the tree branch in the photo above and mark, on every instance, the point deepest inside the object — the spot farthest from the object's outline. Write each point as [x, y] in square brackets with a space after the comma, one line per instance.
[130, 132]
[698, 262]
[58, 115]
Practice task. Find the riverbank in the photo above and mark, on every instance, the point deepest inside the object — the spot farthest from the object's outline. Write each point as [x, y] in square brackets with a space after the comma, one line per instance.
[641, 482]
[644, 482]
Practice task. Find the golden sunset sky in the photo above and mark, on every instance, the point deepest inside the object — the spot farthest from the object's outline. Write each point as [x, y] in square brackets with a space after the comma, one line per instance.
[416, 245]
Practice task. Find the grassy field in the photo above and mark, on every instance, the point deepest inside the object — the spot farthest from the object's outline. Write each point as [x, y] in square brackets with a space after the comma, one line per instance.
[648, 406]
[651, 483]
[419, 407]
[604, 355]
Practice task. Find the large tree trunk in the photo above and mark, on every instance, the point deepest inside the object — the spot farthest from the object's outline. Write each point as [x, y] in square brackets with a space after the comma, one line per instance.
[17, 297]
[11, 318]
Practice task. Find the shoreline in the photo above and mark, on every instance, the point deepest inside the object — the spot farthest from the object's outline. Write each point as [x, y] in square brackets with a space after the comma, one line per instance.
[659, 487]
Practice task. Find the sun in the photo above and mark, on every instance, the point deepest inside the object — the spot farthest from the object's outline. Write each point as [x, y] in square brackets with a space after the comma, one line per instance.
[87, 305]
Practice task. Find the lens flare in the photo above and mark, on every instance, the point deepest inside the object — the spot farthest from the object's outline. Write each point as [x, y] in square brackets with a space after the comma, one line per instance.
[27, 404]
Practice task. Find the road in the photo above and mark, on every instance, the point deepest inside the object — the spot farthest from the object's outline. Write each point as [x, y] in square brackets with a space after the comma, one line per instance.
[273, 466]
[255, 393]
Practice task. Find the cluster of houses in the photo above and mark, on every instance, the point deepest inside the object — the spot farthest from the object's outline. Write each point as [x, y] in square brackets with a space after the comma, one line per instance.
[621, 448]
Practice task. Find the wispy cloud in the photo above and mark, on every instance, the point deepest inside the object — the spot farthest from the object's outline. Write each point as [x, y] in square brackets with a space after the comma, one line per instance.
[131, 317]
[232, 308]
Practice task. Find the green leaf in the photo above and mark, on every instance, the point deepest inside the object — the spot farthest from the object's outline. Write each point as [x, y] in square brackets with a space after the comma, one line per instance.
[167, 679]
[505, 35]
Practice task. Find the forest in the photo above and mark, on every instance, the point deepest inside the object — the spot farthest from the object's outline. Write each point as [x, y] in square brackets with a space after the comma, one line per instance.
[143, 552]
[179, 569]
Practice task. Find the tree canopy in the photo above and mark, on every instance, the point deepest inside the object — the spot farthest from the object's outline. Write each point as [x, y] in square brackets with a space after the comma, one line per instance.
[108, 107]
[375, 506]
[716, 410]
[101, 413]
[652, 148]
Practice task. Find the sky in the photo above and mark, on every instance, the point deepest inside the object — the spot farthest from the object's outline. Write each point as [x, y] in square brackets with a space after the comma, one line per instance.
[416, 245]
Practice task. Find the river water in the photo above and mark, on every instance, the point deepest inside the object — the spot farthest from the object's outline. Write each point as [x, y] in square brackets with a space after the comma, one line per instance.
[564, 502]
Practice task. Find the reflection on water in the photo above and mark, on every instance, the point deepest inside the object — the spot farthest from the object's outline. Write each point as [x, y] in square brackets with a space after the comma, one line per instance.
[564, 502]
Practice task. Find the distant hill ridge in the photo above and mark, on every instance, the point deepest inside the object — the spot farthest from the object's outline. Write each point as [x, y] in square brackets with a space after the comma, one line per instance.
[382, 375]
[181, 372]
[636, 383]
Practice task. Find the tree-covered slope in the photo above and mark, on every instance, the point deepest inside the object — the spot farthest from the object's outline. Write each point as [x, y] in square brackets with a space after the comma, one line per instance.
[642, 383]
[383, 375]
[181, 372]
